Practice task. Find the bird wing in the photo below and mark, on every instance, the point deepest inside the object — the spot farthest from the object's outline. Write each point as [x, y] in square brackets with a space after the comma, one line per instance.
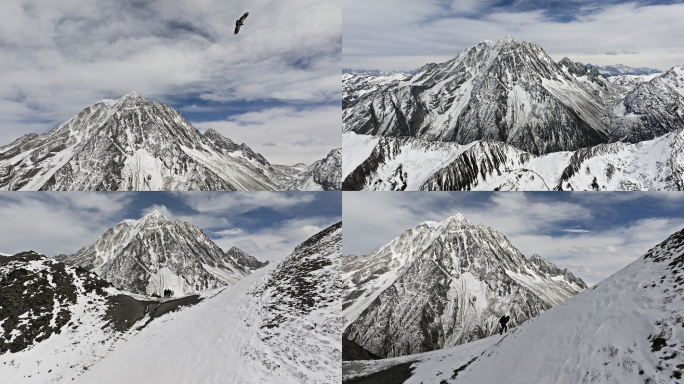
[237, 27]
[244, 17]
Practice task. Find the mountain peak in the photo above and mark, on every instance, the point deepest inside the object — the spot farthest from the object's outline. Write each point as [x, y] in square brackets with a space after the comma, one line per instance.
[133, 95]
[506, 40]
[155, 215]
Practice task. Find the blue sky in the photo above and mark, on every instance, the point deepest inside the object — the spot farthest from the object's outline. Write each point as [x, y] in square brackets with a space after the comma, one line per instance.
[592, 234]
[277, 82]
[267, 225]
[404, 34]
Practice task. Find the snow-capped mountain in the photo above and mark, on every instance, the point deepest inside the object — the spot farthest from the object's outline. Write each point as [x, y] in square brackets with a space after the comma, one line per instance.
[444, 284]
[149, 255]
[242, 258]
[323, 175]
[388, 163]
[621, 70]
[626, 329]
[131, 144]
[651, 109]
[506, 91]
[281, 324]
[514, 93]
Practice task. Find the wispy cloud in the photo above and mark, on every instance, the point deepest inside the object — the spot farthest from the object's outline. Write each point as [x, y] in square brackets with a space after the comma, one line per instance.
[295, 135]
[404, 35]
[61, 57]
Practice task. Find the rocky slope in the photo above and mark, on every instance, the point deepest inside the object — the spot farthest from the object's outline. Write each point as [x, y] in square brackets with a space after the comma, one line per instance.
[154, 253]
[625, 329]
[444, 284]
[131, 144]
[57, 321]
[386, 163]
[323, 175]
[651, 109]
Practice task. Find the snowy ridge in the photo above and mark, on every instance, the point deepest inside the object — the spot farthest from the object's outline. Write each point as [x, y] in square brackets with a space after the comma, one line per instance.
[488, 165]
[261, 325]
[154, 253]
[323, 175]
[131, 144]
[625, 329]
[443, 284]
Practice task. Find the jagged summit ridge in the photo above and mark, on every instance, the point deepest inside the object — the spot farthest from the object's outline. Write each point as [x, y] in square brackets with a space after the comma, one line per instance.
[153, 253]
[444, 283]
[487, 92]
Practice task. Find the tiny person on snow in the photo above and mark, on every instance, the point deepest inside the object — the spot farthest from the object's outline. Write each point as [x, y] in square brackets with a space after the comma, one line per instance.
[503, 321]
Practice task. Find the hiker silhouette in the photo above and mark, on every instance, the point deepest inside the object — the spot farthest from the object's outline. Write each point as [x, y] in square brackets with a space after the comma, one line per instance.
[503, 321]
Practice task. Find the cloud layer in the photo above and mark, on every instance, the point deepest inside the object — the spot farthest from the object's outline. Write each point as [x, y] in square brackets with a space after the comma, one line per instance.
[404, 34]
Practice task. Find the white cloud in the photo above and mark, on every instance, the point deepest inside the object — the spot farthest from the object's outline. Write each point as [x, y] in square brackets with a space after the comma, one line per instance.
[214, 202]
[405, 35]
[575, 230]
[274, 243]
[60, 223]
[284, 135]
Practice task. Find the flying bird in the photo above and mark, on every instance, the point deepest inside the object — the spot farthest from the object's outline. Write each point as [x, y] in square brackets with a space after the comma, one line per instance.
[239, 22]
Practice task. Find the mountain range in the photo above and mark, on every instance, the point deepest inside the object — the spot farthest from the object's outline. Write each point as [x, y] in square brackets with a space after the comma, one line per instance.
[131, 144]
[510, 93]
[442, 284]
[278, 324]
[404, 163]
[625, 329]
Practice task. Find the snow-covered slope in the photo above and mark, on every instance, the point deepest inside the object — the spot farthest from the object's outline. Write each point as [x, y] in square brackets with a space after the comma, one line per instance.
[653, 108]
[323, 175]
[508, 91]
[131, 144]
[54, 319]
[386, 163]
[626, 329]
[443, 284]
[154, 253]
[280, 324]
